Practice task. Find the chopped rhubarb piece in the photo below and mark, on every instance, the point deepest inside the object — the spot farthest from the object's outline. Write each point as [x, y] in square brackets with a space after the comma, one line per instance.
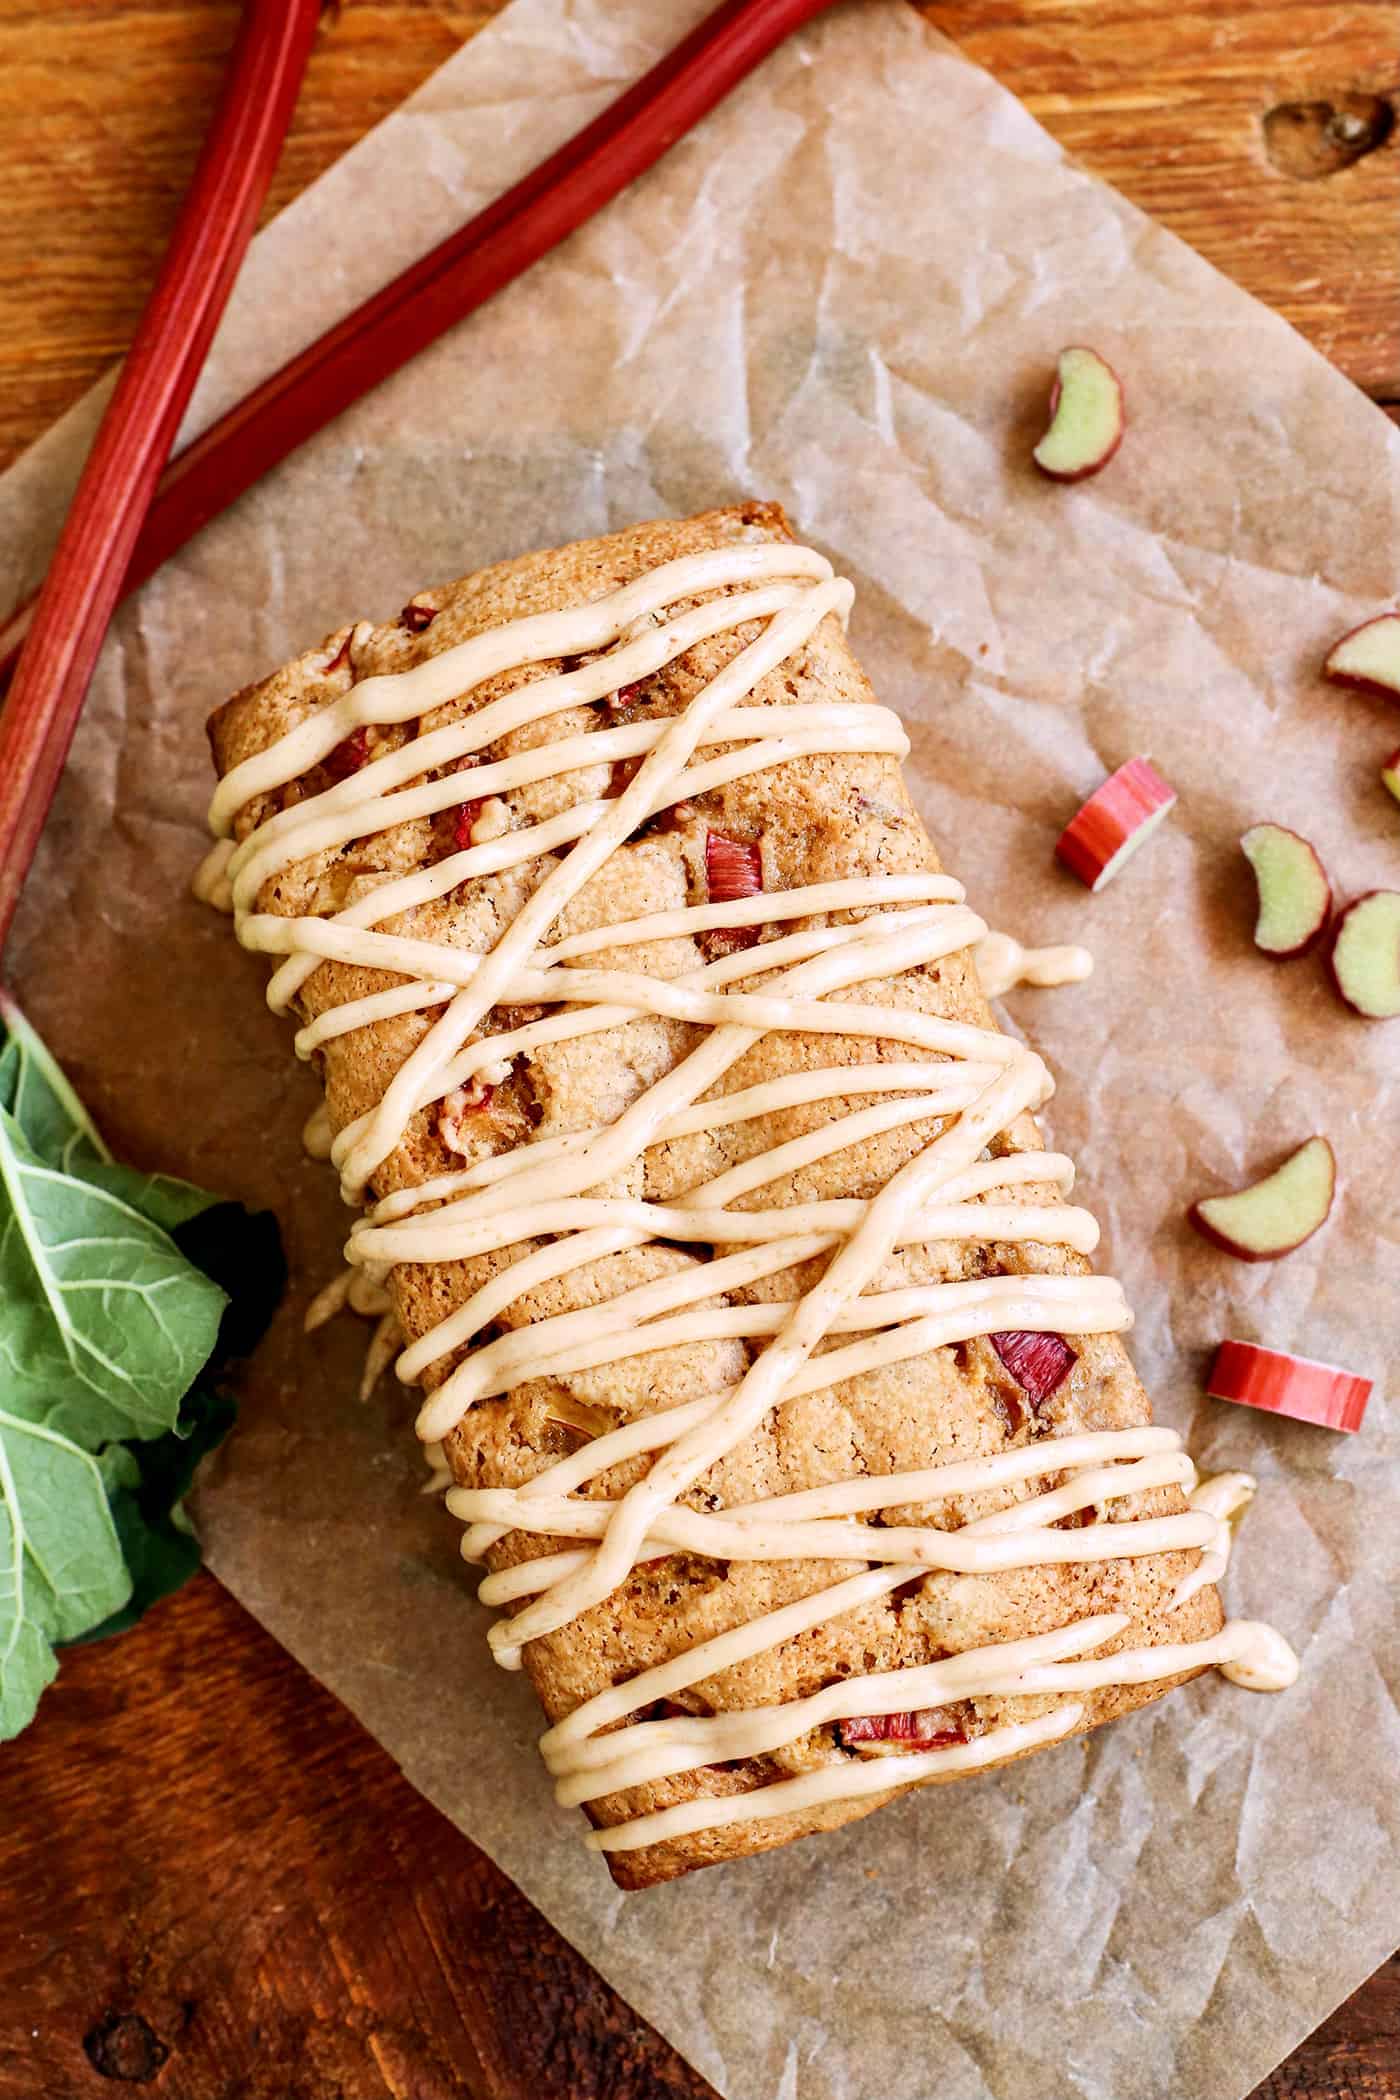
[928, 1728]
[1390, 774]
[1296, 1386]
[1086, 417]
[1366, 955]
[1295, 897]
[349, 755]
[1368, 658]
[454, 1111]
[462, 829]
[728, 940]
[1277, 1214]
[733, 869]
[1114, 822]
[341, 657]
[1039, 1363]
[416, 617]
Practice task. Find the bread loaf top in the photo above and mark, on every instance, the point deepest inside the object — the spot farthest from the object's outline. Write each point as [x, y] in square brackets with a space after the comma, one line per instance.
[653, 1036]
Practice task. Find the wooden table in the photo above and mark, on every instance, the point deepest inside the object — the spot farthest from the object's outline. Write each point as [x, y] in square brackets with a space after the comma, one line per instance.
[212, 1882]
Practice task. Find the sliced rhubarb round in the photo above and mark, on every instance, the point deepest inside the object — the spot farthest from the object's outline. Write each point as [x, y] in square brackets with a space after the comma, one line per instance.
[1117, 819]
[1368, 658]
[1390, 774]
[1366, 955]
[1296, 1386]
[1276, 1214]
[1295, 897]
[1086, 417]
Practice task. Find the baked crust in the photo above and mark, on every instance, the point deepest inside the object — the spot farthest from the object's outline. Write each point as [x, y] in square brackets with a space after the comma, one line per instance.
[818, 819]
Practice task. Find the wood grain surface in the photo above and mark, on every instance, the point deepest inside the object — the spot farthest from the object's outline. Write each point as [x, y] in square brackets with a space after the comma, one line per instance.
[213, 1884]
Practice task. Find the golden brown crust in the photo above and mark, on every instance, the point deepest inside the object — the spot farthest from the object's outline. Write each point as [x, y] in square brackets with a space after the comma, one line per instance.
[816, 819]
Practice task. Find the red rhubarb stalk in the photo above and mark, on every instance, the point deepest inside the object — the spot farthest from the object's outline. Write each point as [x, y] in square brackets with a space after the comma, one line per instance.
[95, 548]
[1297, 1386]
[455, 278]
[1117, 818]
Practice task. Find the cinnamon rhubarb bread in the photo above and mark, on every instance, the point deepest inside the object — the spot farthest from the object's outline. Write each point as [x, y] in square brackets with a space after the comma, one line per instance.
[782, 1403]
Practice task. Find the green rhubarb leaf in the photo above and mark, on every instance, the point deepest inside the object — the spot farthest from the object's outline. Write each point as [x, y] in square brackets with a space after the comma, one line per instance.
[118, 1290]
[161, 1198]
[35, 1091]
[146, 1488]
[61, 1564]
[105, 1325]
[241, 1251]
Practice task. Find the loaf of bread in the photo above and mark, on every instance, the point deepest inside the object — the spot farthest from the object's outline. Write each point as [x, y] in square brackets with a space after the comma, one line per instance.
[958, 1362]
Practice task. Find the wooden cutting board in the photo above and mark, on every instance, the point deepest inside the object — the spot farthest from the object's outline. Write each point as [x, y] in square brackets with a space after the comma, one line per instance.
[212, 1882]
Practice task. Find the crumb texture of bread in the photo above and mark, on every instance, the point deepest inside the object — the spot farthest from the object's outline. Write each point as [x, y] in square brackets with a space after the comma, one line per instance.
[812, 819]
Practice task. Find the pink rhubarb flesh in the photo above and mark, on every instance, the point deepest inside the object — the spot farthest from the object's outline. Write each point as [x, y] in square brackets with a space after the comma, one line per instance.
[1277, 1214]
[1295, 897]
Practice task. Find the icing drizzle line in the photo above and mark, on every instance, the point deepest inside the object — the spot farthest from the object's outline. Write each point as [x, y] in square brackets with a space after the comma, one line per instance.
[554, 1191]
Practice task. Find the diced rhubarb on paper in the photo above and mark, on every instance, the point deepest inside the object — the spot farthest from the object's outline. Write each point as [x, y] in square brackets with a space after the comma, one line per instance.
[1296, 1386]
[1295, 897]
[1039, 1363]
[1369, 657]
[928, 1728]
[1117, 819]
[1276, 1214]
[1366, 955]
[1390, 774]
[1086, 417]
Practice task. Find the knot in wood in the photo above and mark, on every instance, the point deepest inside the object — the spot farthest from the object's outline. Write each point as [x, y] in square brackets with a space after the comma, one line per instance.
[126, 2047]
[1309, 140]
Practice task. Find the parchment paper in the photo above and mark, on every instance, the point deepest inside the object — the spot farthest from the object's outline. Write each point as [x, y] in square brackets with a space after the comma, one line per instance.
[845, 291]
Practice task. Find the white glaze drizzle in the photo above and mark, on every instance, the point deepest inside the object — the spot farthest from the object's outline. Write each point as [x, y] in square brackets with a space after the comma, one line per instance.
[317, 1134]
[975, 1079]
[1002, 964]
[354, 1289]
